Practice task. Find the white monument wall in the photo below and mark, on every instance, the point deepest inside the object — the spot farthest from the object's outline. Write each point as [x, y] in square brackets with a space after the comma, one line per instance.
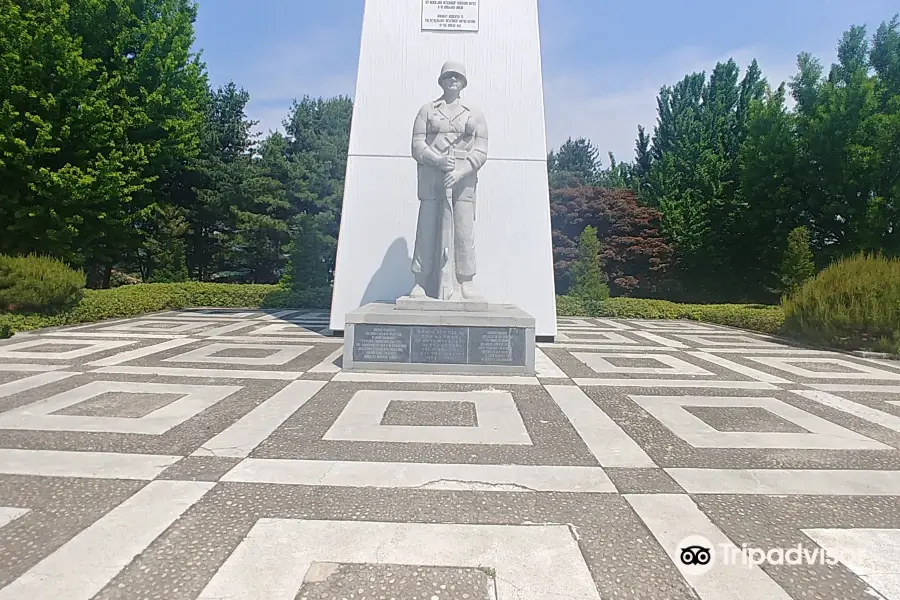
[398, 70]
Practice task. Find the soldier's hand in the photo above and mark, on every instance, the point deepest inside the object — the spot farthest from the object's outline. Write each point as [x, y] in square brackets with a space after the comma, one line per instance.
[452, 178]
[447, 163]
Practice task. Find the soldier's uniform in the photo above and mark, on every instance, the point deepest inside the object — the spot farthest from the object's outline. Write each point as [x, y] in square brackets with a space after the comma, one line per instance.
[440, 130]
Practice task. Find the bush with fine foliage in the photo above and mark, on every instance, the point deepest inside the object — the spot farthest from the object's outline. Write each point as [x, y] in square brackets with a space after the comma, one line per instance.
[38, 284]
[854, 304]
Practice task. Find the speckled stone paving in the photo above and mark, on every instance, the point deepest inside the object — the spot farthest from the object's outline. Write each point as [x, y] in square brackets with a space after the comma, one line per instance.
[330, 581]
[225, 455]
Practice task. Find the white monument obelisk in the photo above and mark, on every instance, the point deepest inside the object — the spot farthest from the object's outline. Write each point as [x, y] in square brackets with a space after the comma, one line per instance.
[405, 44]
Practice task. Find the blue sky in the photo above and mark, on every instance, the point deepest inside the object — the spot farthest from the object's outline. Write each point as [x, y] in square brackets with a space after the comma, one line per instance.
[603, 62]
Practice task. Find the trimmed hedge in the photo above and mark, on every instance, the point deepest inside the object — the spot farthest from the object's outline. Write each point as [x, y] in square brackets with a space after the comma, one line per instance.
[853, 304]
[756, 317]
[135, 300]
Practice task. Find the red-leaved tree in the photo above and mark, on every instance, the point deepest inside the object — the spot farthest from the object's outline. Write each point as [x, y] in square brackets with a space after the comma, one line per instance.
[634, 253]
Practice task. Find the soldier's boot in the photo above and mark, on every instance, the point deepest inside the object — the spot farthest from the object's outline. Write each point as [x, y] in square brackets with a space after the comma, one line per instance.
[469, 292]
[418, 290]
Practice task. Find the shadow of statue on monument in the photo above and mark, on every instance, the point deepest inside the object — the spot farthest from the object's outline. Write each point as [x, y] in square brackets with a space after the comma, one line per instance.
[393, 279]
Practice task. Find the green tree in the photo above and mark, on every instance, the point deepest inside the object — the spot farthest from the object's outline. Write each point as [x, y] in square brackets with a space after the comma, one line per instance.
[163, 256]
[694, 173]
[575, 163]
[84, 153]
[797, 267]
[317, 143]
[311, 253]
[212, 184]
[836, 148]
[588, 281]
[771, 200]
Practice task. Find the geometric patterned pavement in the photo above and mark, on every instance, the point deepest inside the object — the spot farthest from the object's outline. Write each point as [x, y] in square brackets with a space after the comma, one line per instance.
[216, 454]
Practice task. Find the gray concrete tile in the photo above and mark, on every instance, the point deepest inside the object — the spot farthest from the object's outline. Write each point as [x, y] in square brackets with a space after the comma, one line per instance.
[556, 381]
[642, 481]
[620, 554]
[768, 522]
[646, 363]
[200, 468]
[182, 439]
[554, 441]
[830, 368]
[336, 581]
[119, 404]
[669, 450]
[430, 414]
[58, 510]
[235, 356]
[317, 376]
[747, 419]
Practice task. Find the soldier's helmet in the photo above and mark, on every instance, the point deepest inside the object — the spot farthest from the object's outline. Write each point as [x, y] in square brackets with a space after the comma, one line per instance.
[455, 67]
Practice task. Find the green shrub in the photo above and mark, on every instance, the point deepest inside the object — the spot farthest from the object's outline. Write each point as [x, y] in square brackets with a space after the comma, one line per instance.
[38, 284]
[854, 304]
[5, 331]
[284, 297]
[569, 306]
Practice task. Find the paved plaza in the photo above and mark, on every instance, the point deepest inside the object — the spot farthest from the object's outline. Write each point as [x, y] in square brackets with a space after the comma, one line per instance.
[225, 455]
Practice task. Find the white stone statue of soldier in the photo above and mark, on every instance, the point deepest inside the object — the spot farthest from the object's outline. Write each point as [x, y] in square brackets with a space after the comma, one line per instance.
[450, 145]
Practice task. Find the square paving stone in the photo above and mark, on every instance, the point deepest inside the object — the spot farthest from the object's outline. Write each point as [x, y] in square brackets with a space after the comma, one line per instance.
[119, 404]
[56, 509]
[57, 349]
[786, 522]
[258, 356]
[181, 434]
[643, 481]
[430, 414]
[239, 531]
[200, 468]
[627, 363]
[45, 415]
[744, 418]
[331, 580]
[498, 419]
[526, 427]
[669, 449]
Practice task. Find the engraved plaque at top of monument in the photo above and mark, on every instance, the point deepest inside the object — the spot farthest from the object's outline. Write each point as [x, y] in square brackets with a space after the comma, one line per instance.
[450, 15]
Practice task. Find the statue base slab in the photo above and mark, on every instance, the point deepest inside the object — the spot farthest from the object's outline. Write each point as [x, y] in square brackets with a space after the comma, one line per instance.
[499, 340]
[409, 303]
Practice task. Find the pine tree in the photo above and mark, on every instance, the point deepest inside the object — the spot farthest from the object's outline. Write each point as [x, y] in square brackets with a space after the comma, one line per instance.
[587, 273]
[575, 163]
[797, 267]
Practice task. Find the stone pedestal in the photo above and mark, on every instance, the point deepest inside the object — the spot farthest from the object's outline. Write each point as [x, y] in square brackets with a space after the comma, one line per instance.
[422, 336]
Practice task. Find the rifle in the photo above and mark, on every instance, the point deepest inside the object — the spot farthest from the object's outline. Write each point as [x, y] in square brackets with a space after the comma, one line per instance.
[448, 281]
